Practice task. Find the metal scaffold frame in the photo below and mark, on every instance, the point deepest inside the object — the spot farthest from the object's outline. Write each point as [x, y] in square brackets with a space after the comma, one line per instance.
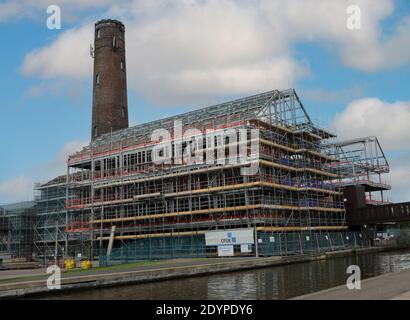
[362, 161]
[114, 182]
[17, 230]
[50, 239]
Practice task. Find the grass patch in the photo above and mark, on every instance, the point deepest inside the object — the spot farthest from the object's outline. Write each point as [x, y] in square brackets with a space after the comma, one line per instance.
[119, 267]
[115, 267]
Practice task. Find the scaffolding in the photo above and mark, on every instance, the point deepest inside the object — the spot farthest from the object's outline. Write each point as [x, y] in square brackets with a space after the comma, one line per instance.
[17, 229]
[116, 182]
[361, 161]
[3, 232]
[51, 218]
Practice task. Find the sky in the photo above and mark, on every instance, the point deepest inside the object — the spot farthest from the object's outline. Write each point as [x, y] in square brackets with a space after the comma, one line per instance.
[186, 54]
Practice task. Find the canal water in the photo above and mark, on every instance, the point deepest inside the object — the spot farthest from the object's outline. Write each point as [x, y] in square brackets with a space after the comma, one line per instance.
[281, 282]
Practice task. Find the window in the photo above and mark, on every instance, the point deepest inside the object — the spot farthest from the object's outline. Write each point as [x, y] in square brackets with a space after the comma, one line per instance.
[114, 42]
[95, 131]
[97, 79]
[123, 112]
[122, 65]
[99, 34]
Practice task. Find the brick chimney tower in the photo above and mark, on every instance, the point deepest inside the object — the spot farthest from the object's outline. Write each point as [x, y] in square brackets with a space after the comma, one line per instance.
[110, 103]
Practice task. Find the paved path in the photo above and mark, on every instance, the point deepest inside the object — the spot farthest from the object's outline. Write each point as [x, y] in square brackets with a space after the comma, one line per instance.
[12, 274]
[391, 286]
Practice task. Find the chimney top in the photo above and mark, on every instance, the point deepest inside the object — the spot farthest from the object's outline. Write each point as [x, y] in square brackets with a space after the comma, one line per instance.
[108, 22]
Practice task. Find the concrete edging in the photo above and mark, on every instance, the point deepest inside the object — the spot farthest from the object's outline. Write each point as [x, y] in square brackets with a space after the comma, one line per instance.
[37, 287]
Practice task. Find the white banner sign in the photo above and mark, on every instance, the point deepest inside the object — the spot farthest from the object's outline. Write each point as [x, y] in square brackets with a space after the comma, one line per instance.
[246, 248]
[229, 237]
[225, 251]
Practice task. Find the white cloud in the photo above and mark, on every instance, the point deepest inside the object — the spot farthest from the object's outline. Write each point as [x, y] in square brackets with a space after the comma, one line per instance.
[70, 88]
[375, 54]
[374, 117]
[343, 95]
[400, 177]
[58, 165]
[8, 10]
[17, 9]
[21, 187]
[68, 56]
[325, 22]
[390, 123]
[16, 189]
[186, 51]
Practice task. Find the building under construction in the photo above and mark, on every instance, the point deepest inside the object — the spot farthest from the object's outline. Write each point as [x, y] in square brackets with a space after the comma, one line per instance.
[118, 194]
[114, 182]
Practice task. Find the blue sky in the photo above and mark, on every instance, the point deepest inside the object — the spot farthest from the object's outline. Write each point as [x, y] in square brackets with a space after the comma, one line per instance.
[190, 55]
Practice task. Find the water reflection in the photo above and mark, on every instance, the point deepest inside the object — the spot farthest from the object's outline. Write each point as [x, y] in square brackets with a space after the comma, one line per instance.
[269, 283]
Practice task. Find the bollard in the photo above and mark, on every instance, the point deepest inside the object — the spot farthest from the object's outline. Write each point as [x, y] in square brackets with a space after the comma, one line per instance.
[69, 264]
[86, 264]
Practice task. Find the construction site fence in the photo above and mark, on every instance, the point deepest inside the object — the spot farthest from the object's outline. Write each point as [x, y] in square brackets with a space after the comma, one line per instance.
[269, 244]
